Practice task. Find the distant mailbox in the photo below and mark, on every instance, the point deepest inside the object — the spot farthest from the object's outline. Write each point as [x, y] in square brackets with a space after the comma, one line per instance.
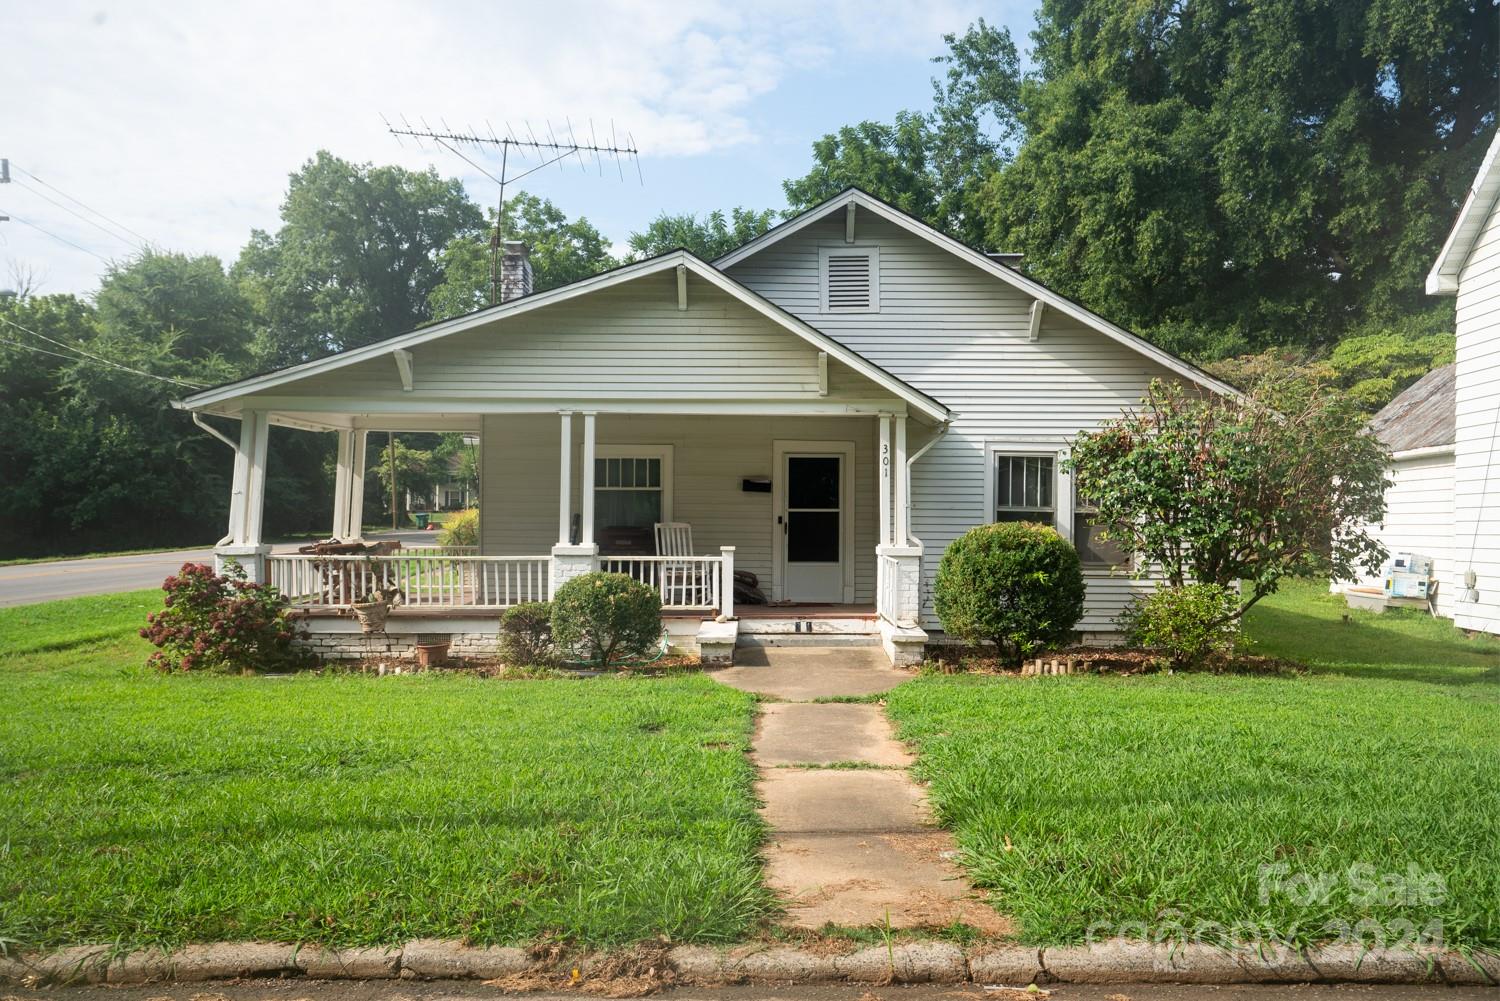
[756, 485]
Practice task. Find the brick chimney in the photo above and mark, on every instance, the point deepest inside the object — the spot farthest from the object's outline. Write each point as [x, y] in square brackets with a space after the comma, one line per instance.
[515, 270]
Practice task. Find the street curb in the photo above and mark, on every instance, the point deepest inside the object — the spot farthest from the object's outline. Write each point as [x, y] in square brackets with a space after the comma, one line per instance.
[1113, 961]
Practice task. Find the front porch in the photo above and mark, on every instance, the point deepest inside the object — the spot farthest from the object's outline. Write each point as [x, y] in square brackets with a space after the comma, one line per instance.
[803, 502]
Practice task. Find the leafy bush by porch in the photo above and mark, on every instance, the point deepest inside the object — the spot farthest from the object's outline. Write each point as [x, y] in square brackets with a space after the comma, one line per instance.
[605, 618]
[461, 528]
[157, 809]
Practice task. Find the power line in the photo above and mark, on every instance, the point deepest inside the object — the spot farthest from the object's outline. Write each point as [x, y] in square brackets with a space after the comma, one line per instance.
[106, 231]
[90, 356]
[75, 201]
[54, 236]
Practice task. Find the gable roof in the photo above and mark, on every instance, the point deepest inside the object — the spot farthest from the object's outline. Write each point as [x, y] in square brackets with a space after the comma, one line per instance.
[1421, 415]
[864, 200]
[915, 398]
[1443, 278]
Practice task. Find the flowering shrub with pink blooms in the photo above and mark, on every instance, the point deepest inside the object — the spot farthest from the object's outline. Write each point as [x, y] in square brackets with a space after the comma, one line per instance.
[214, 622]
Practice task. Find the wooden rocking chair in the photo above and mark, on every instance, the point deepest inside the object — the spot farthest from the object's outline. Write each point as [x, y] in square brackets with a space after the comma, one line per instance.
[681, 583]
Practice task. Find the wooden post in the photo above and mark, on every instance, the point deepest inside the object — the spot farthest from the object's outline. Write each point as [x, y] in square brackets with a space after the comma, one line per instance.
[390, 439]
[901, 530]
[726, 583]
[565, 477]
[587, 484]
[885, 480]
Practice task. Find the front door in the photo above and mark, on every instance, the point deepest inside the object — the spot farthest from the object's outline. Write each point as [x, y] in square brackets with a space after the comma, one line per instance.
[812, 525]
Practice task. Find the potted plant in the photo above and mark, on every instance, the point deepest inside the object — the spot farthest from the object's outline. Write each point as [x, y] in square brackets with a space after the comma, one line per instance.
[372, 607]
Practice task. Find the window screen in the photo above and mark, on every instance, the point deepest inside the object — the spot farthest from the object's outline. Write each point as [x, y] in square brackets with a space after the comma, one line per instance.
[1024, 487]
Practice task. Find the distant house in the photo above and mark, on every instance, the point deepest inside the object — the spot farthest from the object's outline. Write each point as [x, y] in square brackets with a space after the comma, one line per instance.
[1444, 429]
[827, 407]
[1469, 268]
[1417, 426]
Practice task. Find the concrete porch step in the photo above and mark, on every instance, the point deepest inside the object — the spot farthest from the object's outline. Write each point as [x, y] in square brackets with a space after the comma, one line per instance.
[807, 639]
[821, 626]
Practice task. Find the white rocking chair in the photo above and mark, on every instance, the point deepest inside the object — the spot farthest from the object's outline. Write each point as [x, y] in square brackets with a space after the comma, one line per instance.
[682, 584]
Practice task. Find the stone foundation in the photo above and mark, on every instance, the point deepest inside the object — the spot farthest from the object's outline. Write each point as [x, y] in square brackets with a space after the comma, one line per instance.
[396, 646]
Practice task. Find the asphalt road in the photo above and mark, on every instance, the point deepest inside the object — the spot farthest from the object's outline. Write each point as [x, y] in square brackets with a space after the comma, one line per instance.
[33, 582]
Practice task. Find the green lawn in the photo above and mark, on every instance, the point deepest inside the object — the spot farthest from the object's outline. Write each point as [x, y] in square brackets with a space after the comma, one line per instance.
[1097, 801]
[136, 808]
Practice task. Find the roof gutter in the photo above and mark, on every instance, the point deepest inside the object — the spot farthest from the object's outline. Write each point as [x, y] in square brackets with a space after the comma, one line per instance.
[911, 461]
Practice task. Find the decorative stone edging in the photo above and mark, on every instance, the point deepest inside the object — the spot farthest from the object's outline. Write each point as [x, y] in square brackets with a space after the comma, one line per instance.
[1115, 961]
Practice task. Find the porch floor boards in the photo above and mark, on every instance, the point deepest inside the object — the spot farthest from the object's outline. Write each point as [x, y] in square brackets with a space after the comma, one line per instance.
[811, 611]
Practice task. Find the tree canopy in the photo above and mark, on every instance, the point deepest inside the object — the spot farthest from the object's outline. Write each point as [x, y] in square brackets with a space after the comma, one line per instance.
[1224, 177]
[712, 236]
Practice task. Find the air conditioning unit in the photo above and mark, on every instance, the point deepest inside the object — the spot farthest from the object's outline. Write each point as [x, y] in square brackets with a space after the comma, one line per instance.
[1406, 585]
[1411, 563]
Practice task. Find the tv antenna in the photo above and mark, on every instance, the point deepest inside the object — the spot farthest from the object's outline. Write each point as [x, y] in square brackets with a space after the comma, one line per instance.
[556, 149]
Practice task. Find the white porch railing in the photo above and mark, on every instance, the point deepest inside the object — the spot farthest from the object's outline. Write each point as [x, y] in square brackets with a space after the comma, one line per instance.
[887, 586]
[436, 580]
[684, 582]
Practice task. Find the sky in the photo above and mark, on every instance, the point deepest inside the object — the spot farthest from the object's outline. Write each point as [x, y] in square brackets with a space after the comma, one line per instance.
[180, 122]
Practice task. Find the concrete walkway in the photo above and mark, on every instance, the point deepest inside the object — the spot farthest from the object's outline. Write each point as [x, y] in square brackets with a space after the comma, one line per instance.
[852, 842]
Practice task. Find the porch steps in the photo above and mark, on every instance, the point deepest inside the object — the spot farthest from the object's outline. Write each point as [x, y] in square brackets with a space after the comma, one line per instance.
[806, 639]
[820, 630]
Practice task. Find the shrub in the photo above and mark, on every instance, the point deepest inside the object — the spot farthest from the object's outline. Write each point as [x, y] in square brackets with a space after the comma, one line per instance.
[526, 635]
[1191, 625]
[605, 618]
[460, 529]
[213, 622]
[1015, 584]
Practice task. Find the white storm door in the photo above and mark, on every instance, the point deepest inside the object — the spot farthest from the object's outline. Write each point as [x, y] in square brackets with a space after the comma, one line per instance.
[812, 527]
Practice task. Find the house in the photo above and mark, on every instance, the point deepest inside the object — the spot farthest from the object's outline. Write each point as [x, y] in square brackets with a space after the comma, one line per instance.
[827, 406]
[1418, 429]
[1445, 501]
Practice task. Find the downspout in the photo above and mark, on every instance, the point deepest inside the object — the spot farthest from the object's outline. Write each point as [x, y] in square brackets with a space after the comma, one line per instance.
[236, 449]
[911, 461]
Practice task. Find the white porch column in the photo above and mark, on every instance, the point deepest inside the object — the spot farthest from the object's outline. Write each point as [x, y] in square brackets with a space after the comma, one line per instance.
[349, 487]
[901, 533]
[726, 583]
[885, 479]
[568, 560]
[565, 480]
[247, 499]
[587, 484]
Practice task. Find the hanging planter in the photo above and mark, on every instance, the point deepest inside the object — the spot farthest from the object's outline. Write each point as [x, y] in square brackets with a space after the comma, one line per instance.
[372, 609]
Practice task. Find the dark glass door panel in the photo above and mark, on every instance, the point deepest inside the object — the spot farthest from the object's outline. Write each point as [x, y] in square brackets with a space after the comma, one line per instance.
[812, 482]
[812, 537]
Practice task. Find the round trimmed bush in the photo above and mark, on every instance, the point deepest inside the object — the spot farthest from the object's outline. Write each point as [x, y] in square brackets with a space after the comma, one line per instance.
[526, 634]
[605, 618]
[1014, 584]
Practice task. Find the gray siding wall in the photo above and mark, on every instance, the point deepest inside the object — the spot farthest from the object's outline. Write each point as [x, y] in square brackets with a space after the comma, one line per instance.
[1476, 480]
[710, 456]
[959, 334]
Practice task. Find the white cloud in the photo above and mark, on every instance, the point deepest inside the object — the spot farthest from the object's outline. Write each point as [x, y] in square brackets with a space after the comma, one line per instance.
[182, 120]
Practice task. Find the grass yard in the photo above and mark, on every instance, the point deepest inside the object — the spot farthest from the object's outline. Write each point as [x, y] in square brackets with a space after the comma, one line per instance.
[1142, 803]
[136, 808]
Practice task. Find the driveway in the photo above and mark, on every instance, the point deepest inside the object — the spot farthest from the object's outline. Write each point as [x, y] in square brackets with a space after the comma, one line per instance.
[34, 582]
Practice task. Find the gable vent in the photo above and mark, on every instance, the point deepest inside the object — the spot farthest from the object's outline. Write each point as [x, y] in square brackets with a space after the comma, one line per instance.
[851, 280]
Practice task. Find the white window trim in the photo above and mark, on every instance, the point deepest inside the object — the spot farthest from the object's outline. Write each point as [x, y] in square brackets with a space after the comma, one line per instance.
[1062, 485]
[872, 251]
[662, 452]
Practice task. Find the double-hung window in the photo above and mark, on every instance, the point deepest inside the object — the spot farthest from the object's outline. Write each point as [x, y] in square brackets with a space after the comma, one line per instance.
[632, 486]
[1027, 482]
[1025, 488]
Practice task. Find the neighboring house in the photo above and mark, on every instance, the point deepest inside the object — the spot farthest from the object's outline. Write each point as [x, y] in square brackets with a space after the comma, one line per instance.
[1469, 268]
[827, 406]
[1417, 426]
[452, 493]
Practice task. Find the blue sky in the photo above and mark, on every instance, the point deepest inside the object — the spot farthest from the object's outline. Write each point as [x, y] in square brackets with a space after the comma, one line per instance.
[181, 121]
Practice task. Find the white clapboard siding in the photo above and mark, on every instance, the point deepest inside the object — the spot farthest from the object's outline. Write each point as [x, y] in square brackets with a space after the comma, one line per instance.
[1476, 461]
[630, 342]
[961, 335]
[1419, 519]
[711, 456]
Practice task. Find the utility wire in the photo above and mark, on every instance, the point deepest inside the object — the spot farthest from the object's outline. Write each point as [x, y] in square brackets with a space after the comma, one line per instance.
[75, 201]
[101, 228]
[54, 236]
[87, 355]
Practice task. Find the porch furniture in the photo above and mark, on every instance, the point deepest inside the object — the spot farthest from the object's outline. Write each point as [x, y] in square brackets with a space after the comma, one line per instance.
[682, 583]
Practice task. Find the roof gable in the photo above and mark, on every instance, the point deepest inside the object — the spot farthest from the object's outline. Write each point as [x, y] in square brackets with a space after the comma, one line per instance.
[615, 279]
[864, 201]
[1443, 278]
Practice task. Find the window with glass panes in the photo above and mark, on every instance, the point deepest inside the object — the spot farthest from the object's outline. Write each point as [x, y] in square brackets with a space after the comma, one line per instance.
[1025, 488]
[627, 492]
[1093, 549]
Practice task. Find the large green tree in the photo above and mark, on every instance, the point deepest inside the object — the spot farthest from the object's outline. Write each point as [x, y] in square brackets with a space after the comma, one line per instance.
[711, 236]
[562, 250]
[1226, 175]
[932, 165]
[356, 259]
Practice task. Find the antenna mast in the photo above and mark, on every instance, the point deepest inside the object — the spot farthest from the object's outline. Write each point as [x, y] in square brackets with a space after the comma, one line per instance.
[546, 152]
